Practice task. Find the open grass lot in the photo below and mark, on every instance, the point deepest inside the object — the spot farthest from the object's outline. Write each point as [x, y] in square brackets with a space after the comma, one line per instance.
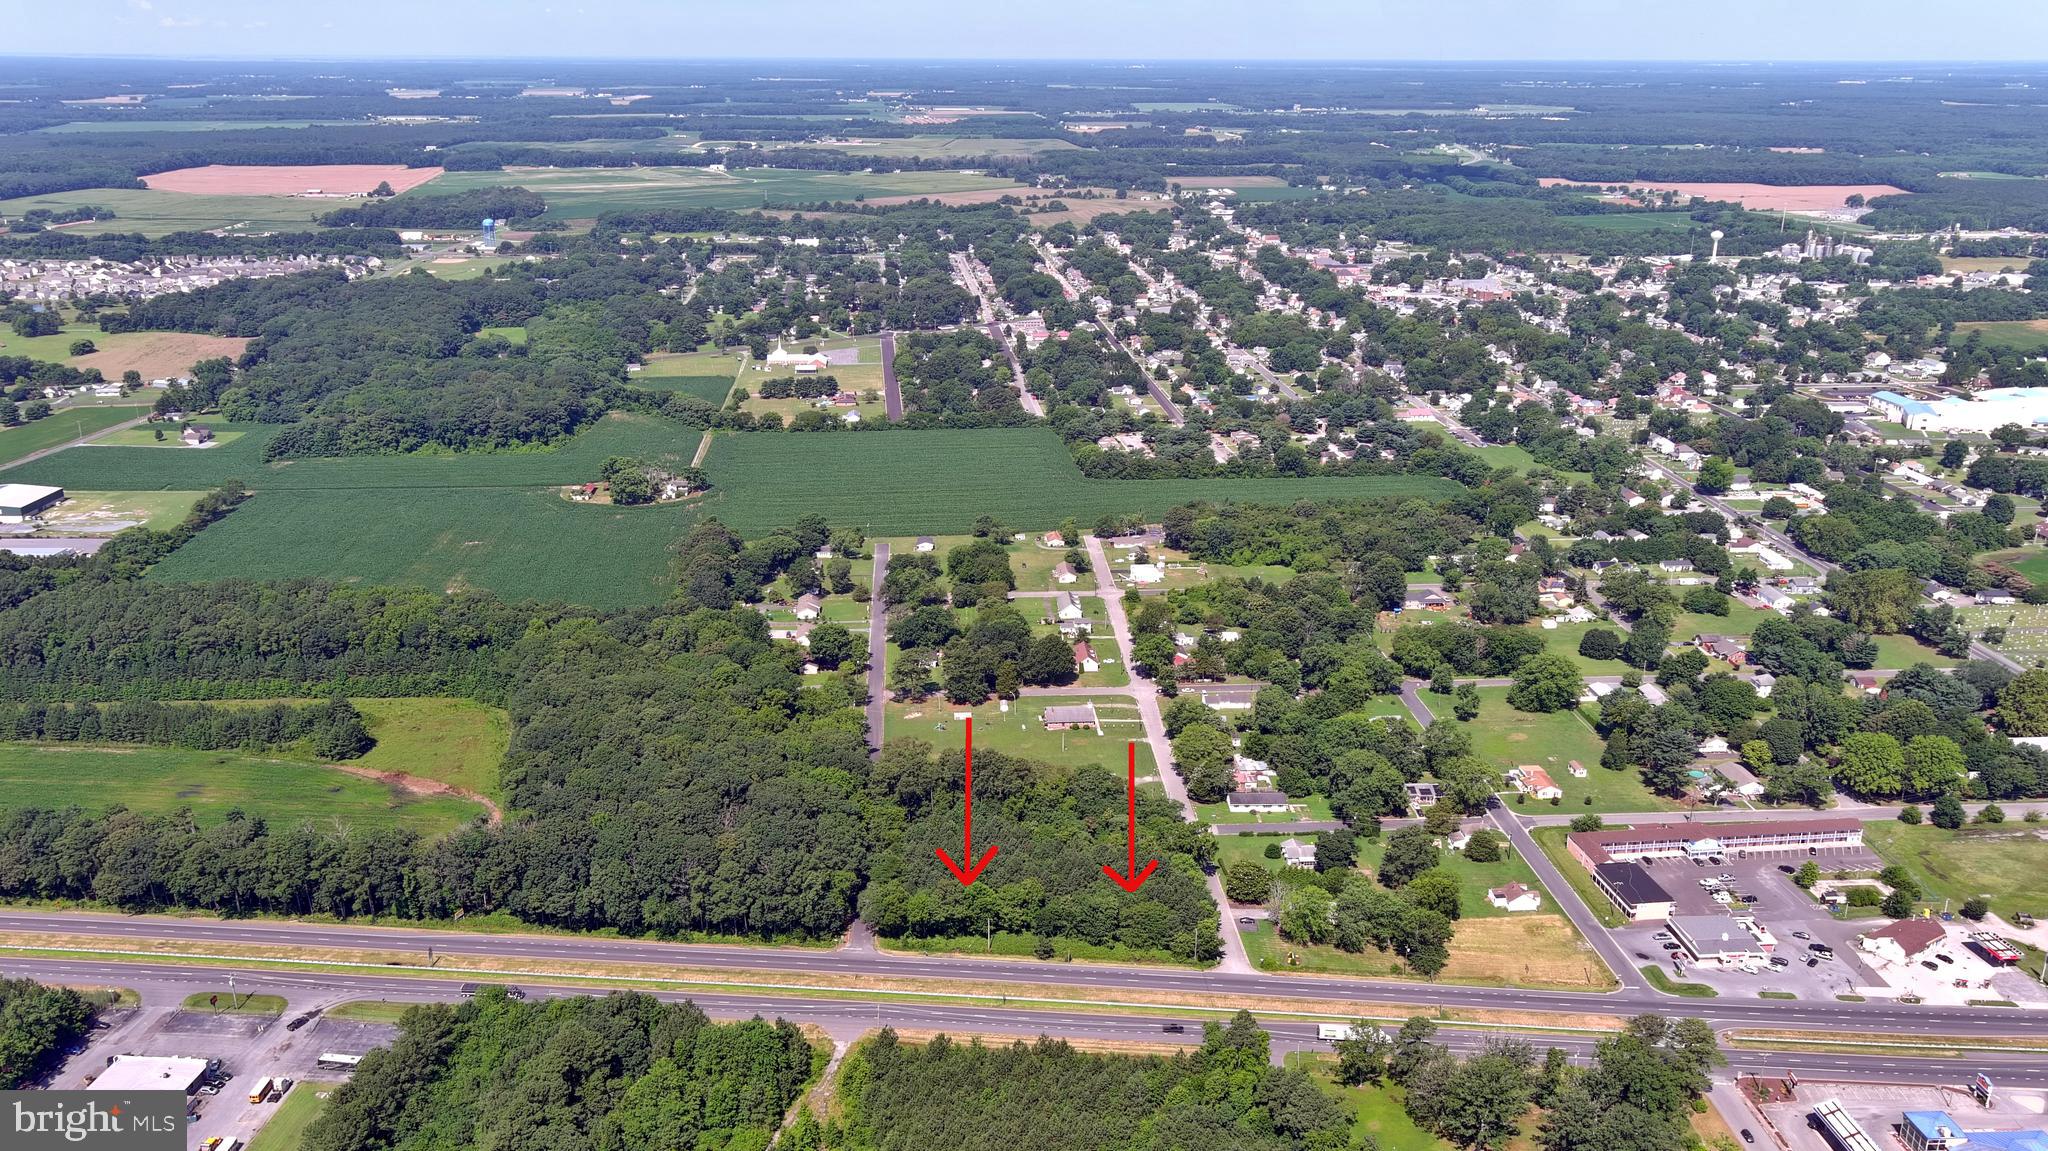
[158, 213]
[2029, 562]
[104, 513]
[145, 436]
[1964, 264]
[286, 1130]
[1375, 1110]
[1308, 807]
[2029, 336]
[706, 375]
[583, 193]
[2007, 863]
[1903, 651]
[154, 126]
[1564, 640]
[1508, 738]
[459, 742]
[965, 147]
[210, 783]
[1740, 620]
[1020, 732]
[61, 426]
[905, 482]
[1474, 879]
[156, 355]
[516, 335]
[1537, 949]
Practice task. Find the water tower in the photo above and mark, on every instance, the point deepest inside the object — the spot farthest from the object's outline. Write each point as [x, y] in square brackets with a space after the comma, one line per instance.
[1712, 258]
[490, 232]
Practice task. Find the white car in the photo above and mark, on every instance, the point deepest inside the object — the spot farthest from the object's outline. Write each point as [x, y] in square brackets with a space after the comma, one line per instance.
[1710, 883]
[1723, 897]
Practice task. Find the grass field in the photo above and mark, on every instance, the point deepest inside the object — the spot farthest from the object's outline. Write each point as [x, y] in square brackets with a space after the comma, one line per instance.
[154, 354]
[1552, 840]
[95, 127]
[706, 375]
[369, 1010]
[233, 1003]
[61, 426]
[1536, 949]
[1020, 732]
[2030, 336]
[1474, 879]
[965, 147]
[286, 1130]
[1376, 1110]
[156, 213]
[104, 513]
[2008, 863]
[459, 742]
[144, 436]
[1508, 738]
[582, 193]
[516, 335]
[163, 780]
[903, 483]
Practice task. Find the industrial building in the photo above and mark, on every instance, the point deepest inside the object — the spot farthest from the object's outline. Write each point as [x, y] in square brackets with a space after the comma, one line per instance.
[1939, 1131]
[22, 502]
[1722, 940]
[1704, 840]
[1979, 412]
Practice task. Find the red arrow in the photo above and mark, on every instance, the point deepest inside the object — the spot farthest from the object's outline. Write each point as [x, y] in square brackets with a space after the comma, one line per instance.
[967, 875]
[1131, 879]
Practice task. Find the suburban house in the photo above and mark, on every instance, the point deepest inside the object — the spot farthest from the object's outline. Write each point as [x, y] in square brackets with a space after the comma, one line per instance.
[1903, 942]
[808, 606]
[1147, 573]
[1634, 891]
[1735, 777]
[1677, 565]
[1084, 657]
[1729, 648]
[1067, 606]
[1515, 897]
[1297, 854]
[1532, 779]
[22, 502]
[196, 436]
[1421, 796]
[1067, 717]
[1427, 601]
[1554, 592]
[926, 543]
[1063, 572]
[1264, 802]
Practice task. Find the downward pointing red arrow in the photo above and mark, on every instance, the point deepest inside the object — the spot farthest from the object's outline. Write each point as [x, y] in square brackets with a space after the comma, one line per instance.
[1131, 879]
[967, 875]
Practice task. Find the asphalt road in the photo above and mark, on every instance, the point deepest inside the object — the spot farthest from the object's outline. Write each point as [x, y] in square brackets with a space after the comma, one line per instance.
[877, 642]
[892, 395]
[1044, 977]
[163, 985]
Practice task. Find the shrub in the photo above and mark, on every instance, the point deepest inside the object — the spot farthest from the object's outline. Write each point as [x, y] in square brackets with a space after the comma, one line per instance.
[1910, 814]
[1975, 908]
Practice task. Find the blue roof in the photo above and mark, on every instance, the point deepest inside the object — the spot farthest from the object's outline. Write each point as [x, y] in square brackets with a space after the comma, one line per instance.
[1910, 407]
[1926, 1123]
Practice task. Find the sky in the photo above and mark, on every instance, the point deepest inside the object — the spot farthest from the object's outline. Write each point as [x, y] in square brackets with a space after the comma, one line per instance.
[1892, 30]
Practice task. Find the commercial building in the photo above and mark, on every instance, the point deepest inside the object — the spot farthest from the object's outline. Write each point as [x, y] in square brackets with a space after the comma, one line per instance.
[1069, 716]
[150, 1073]
[1903, 942]
[1633, 890]
[1939, 1131]
[1722, 940]
[1980, 412]
[19, 502]
[1701, 840]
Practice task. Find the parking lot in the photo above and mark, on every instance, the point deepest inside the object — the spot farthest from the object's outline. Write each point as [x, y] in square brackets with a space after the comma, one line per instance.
[1780, 906]
[1877, 1109]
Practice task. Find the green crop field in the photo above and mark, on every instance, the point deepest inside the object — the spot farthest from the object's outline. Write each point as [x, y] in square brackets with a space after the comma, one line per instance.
[163, 780]
[706, 375]
[581, 193]
[964, 147]
[95, 127]
[907, 482]
[61, 426]
[157, 213]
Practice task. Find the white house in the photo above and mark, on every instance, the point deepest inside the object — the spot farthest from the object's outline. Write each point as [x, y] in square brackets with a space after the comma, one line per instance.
[1297, 854]
[1068, 606]
[808, 606]
[1515, 897]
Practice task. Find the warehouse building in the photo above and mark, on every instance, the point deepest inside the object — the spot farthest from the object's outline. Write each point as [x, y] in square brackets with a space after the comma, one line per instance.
[21, 502]
[1979, 412]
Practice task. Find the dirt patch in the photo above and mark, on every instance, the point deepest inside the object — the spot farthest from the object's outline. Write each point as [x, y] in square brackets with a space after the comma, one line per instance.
[159, 354]
[288, 179]
[414, 785]
[1758, 197]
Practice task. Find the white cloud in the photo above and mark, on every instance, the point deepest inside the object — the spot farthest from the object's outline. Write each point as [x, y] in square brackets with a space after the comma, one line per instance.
[179, 22]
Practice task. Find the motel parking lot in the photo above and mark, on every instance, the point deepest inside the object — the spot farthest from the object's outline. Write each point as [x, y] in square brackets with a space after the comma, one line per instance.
[1781, 907]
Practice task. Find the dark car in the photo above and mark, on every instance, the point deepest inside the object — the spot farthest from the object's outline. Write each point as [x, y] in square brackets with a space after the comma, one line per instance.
[1945, 958]
[1813, 961]
[514, 993]
[1820, 949]
[1788, 869]
[1674, 947]
[1174, 1028]
[1930, 965]
[1747, 1136]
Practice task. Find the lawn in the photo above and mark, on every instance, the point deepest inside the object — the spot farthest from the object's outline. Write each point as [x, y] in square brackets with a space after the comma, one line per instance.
[369, 1010]
[1564, 640]
[226, 1002]
[1903, 651]
[1552, 840]
[104, 513]
[1020, 732]
[1740, 620]
[160, 781]
[516, 335]
[907, 482]
[61, 426]
[1508, 738]
[286, 1130]
[146, 436]
[1310, 807]
[2027, 336]
[583, 193]
[2007, 863]
[1474, 879]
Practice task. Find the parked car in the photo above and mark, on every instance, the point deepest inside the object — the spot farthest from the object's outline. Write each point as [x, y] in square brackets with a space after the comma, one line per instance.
[1945, 958]
[1788, 869]
[1674, 947]
[1725, 877]
[1818, 948]
[1801, 935]
[1780, 961]
[1747, 1136]
[1710, 883]
[1813, 961]
[1930, 965]
[1662, 935]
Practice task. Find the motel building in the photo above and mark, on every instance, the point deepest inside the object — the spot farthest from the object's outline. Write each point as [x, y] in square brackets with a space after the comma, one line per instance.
[1705, 840]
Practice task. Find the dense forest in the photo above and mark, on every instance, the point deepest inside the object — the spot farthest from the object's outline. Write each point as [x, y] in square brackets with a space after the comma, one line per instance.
[621, 1073]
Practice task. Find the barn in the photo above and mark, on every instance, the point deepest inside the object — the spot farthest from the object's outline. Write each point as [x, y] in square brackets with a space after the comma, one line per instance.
[22, 502]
